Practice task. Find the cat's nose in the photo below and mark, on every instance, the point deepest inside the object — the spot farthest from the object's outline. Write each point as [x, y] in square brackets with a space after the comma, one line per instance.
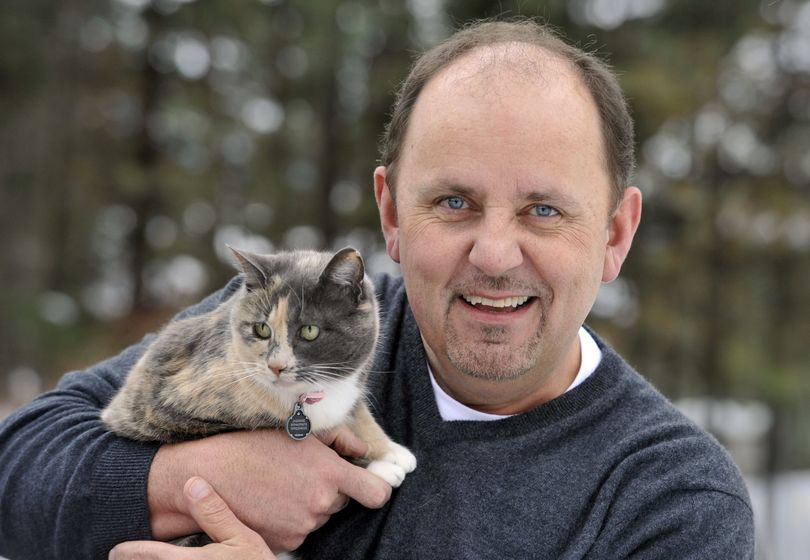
[276, 367]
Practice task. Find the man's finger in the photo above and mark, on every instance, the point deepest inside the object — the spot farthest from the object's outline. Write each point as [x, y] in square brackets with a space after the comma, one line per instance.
[213, 515]
[365, 487]
[340, 502]
[146, 550]
[345, 442]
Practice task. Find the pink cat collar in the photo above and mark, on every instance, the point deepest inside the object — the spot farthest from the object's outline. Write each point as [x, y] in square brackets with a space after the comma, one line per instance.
[311, 398]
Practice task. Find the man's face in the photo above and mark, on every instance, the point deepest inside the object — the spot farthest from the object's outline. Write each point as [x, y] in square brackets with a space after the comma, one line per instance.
[502, 219]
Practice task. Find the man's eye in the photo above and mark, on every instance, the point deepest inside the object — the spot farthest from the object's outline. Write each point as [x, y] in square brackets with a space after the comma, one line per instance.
[453, 202]
[543, 211]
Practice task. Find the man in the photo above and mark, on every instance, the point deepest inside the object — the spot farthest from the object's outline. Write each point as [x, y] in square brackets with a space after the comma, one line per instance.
[503, 193]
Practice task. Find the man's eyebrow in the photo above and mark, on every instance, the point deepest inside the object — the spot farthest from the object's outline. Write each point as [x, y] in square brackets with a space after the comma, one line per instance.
[447, 188]
[552, 197]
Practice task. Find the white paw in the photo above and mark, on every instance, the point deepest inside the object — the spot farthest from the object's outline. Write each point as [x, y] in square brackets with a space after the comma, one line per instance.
[401, 456]
[389, 472]
[394, 465]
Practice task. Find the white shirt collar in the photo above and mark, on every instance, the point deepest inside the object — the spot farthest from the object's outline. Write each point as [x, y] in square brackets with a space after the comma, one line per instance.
[450, 409]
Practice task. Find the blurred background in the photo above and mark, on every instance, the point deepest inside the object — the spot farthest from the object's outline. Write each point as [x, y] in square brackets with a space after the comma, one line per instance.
[138, 137]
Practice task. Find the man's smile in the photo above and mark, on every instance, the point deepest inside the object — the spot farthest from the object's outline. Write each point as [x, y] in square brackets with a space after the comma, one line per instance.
[504, 306]
[506, 302]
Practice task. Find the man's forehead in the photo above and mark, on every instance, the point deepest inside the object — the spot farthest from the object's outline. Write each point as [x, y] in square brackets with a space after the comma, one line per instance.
[510, 77]
[512, 95]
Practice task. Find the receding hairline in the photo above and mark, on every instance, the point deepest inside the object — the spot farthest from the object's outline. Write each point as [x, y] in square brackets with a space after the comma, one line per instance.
[534, 63]
[500, 56]
[595, 73]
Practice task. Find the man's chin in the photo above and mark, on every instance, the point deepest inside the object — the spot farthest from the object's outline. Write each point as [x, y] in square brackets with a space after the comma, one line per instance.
[497, 351]
[492, 362]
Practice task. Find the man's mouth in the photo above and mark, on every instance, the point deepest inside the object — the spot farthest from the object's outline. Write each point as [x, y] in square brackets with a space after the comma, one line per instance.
[502, 305]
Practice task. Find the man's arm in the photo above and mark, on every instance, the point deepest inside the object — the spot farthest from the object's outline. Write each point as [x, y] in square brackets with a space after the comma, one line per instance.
[687, 524]
[70, 489]
[679, 497]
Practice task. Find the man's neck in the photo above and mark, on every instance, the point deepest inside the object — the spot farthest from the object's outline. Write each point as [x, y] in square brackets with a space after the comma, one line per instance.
[508, 396]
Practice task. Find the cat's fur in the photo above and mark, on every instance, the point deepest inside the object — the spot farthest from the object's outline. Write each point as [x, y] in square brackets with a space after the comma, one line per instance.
[212, 373]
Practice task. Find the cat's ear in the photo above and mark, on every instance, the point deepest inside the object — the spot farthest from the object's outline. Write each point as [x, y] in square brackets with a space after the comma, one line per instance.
[255, 276]
[346, 269]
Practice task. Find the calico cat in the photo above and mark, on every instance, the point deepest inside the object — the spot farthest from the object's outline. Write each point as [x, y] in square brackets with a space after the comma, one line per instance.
[291, 349]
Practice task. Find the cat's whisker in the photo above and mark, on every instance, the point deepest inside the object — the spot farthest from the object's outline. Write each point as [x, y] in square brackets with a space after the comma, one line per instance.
[314, 375]
[379, 372]
[329, 373]
[268, 303]
[236, 373]
[238, 379]
[336, 364]
[251, 363]
[225, 373]
[292, 291]
[236, 370]
[333, 368]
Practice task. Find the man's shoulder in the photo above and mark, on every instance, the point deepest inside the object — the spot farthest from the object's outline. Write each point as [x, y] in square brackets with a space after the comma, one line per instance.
[391, 297]
[666, 465]
[657, 437]
[387, 287]
[210, 302]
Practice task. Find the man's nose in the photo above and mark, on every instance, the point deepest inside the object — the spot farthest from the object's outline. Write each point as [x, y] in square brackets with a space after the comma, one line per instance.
[496, 248]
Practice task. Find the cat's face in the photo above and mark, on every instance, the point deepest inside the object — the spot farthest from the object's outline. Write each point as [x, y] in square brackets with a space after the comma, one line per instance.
[305, 321]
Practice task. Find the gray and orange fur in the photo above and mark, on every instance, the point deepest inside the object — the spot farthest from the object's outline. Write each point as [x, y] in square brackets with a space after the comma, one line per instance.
[302, 322]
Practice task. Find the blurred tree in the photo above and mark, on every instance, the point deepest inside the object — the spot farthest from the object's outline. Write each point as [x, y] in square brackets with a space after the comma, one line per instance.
[137, 137]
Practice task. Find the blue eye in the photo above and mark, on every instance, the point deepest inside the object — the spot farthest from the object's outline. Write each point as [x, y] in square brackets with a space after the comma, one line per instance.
[454, 202]
[543, 211]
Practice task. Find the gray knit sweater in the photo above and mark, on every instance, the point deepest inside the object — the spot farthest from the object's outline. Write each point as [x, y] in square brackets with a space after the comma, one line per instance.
[608, 470]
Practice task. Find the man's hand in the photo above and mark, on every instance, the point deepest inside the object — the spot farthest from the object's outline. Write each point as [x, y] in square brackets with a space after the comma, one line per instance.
[233, 540]
[281, 488]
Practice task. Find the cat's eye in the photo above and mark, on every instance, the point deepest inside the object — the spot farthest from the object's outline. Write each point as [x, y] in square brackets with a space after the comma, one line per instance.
[262, 330]
[310, 332]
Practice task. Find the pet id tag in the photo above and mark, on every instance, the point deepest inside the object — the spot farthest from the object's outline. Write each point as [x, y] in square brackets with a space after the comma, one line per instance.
[298, 424]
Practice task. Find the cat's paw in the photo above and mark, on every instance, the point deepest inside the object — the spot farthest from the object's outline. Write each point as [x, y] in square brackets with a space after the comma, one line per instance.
[400, 455]
[394, 465]
[389, 472]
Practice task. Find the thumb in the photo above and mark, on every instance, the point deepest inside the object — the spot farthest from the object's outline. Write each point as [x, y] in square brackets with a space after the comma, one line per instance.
[213, 515]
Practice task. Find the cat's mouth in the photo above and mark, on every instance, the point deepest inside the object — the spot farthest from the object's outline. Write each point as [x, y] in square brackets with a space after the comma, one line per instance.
[295, 382]
[506, 304]
[292, 382]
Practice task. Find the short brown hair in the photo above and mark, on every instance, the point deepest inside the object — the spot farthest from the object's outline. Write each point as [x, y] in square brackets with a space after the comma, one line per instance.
[617, 125]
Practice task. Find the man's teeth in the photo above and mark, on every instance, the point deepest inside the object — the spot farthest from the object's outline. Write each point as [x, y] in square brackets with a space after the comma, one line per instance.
[513, 301]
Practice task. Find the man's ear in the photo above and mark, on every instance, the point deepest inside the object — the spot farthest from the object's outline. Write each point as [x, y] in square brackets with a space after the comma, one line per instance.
[621, 229]
[388, 212]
